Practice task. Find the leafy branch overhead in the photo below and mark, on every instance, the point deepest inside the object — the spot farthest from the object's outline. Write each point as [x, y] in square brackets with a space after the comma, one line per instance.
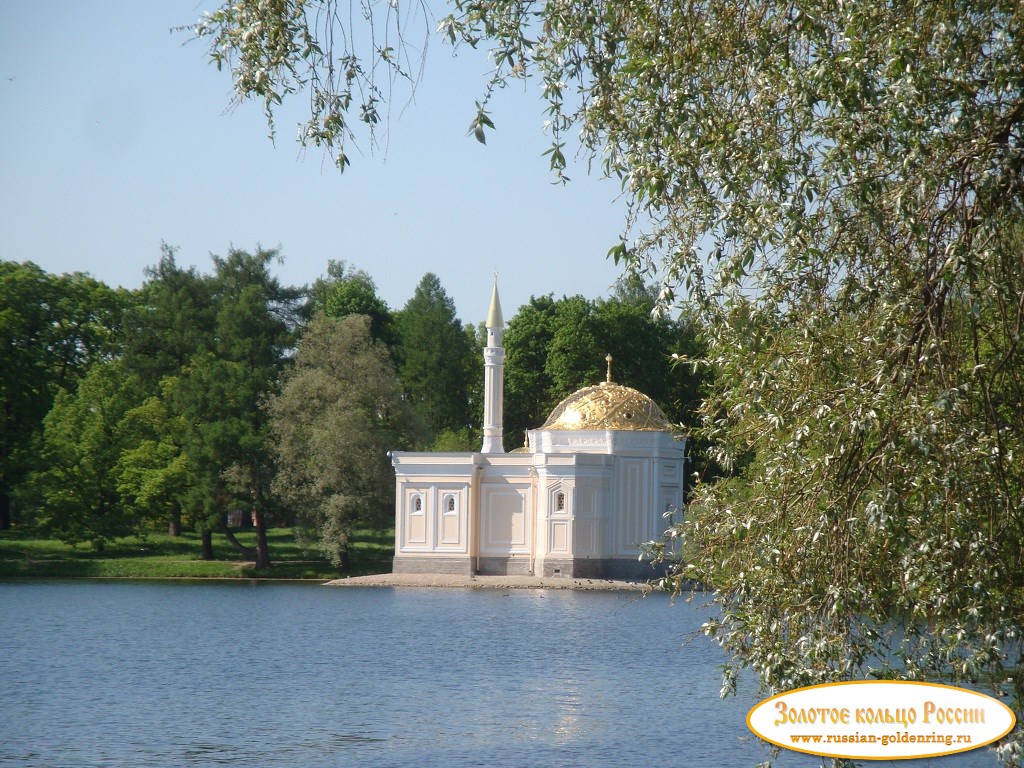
[347, 61]
[481, 121]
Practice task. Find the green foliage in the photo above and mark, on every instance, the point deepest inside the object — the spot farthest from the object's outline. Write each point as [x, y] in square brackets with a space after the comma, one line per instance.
[437, 359]
[352, 292]
[222, 392]
[153, 471]
[473, 364]
[450, 441]
[52, 329]
[339, 411]
[575, 359]
[170, 321]
[82, 443]
[837, 187]
[529, 391]
[208, 350]
[556, 347]
[647, 344]
[290, 46]
[26, 371]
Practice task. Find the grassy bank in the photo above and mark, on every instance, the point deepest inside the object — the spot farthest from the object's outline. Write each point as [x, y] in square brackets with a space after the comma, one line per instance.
[25, 554]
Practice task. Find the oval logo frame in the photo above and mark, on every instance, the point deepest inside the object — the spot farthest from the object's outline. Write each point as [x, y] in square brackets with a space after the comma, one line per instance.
[881, 719]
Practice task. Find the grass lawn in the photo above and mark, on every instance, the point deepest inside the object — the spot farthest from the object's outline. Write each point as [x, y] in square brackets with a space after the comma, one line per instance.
[23, 553]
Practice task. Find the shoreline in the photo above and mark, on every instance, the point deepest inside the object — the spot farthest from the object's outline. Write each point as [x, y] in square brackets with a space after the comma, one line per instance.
[489, 582]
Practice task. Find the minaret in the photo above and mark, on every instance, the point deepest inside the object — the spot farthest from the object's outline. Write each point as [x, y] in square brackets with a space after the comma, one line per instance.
[494, 377]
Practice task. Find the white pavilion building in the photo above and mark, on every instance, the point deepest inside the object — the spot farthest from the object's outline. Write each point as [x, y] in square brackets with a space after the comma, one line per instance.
[592, 485]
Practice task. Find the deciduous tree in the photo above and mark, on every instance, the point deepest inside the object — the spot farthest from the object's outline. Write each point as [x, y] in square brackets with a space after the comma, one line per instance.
[348, 291]
[529, 392]
[77, 482]
[339, 411]
[575, 357]
[52, 329]
[153, 470]
[556, 347]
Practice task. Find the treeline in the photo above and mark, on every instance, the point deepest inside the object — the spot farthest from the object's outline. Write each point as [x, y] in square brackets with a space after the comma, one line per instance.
[204, 394]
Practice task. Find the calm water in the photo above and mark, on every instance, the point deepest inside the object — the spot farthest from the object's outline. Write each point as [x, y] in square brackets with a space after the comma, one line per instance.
[130, 675]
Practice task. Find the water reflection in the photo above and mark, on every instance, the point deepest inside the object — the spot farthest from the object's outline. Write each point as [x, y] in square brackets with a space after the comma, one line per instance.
[569, 723]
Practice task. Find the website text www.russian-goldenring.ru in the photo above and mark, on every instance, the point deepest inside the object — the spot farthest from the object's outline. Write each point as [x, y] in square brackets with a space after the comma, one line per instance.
[948, 739]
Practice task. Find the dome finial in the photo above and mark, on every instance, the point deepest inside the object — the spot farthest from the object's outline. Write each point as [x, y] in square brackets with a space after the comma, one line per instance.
[608, 376]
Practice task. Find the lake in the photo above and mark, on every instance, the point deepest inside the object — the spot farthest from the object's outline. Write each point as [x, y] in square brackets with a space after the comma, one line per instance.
[270, 675]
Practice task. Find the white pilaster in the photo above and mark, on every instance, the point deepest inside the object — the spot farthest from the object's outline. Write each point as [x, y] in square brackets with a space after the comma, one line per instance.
[494, 377]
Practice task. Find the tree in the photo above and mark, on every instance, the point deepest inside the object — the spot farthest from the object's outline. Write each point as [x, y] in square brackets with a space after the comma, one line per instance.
[82, 443]
[529, 392]
[220, 394]
[171, 320]
[575, 357]
[557, 347]
[25, 373]
[171, 323]
[473, 361]
[348, 291]
[52, 329]
[288, 47]
[153, 469]
[838, 189]
[646, 343]
[339, 411]
[435, 359]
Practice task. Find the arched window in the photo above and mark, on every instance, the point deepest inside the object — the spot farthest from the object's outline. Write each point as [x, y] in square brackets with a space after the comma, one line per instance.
[417, 504]
[449, 505]
[560, 502]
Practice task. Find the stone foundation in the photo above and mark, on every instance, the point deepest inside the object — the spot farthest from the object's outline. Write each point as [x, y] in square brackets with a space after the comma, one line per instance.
[505, 566]
[596, 568]
[579, 568]
[631, 569]
[459, 566]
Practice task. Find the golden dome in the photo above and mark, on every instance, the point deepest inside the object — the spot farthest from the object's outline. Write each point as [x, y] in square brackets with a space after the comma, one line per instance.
[608, 406]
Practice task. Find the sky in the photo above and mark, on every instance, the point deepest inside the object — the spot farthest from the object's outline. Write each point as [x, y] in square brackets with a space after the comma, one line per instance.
[115, 136]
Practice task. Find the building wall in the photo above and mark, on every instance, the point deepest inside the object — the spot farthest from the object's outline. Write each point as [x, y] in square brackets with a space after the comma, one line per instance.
[580, 505]
[433, 517]
[506, 524]
[433, 493]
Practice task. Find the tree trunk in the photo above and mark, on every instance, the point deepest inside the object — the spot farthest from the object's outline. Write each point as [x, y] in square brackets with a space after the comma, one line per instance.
[174, 524]
[262, 551]
[343, 558]
[237, 545]
[5, 510]
[207, 553]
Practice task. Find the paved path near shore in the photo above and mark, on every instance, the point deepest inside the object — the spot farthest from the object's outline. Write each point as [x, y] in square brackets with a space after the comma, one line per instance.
[486, 582]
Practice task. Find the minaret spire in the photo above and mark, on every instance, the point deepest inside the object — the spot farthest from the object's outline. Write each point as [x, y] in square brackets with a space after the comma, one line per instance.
[494, 376]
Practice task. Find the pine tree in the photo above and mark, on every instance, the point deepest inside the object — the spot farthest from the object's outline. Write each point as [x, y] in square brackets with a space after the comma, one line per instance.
[434, 359]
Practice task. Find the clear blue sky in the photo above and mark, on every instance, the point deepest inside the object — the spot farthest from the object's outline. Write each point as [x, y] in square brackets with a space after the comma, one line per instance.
[114, 137]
